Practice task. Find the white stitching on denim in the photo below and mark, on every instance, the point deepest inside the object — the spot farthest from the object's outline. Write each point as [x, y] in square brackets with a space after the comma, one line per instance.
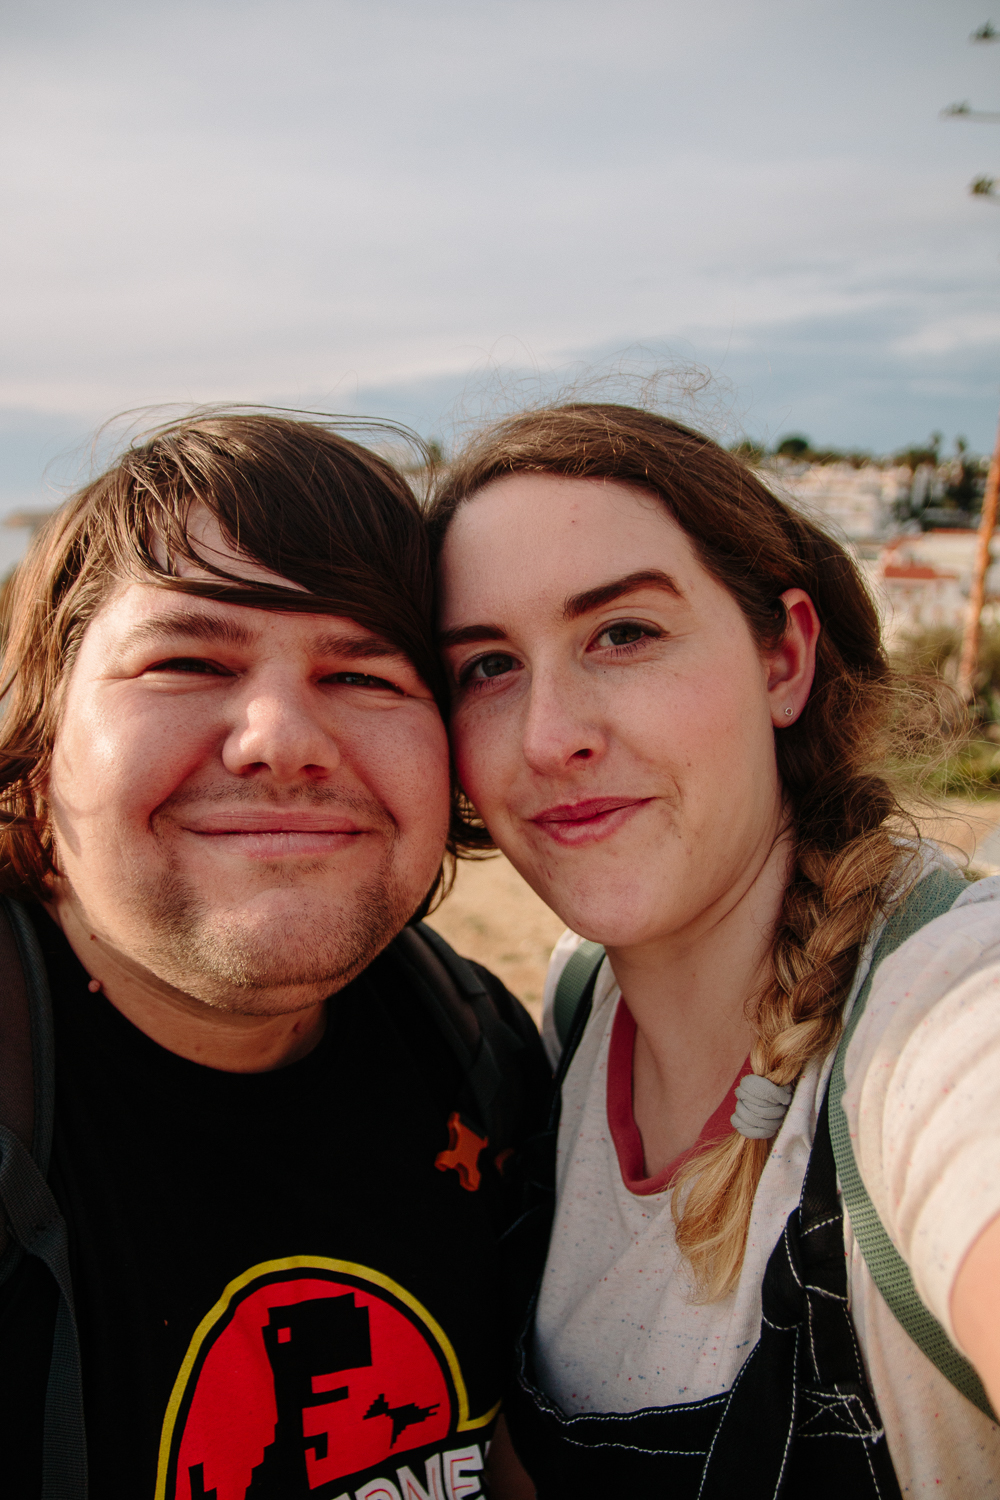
[812, 1341]
[792, 1423]
[833, 1219]
[821, 1291]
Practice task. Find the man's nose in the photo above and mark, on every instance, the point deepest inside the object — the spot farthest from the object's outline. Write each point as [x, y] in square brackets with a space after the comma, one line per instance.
[561, 727]
[278, 728]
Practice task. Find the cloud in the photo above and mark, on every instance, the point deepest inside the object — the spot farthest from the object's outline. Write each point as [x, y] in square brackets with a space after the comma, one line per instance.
[350, 202]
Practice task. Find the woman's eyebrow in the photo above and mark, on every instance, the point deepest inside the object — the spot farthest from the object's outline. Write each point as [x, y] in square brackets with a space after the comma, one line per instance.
[466, 633]
[605, 593]
[575, 606]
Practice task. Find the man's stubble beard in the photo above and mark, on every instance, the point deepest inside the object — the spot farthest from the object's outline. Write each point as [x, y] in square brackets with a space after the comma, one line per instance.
[242, 966]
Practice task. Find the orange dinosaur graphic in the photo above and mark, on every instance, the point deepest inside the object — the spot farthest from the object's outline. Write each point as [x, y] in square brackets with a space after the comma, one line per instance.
[464, 1146]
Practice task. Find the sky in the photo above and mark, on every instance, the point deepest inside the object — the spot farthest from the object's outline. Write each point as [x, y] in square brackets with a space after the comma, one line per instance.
[433, 210]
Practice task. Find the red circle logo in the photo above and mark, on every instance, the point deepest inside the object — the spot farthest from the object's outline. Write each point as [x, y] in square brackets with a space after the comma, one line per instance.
[306, 1373]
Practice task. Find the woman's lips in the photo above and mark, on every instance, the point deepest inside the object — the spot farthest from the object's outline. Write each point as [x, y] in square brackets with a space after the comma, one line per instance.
[588, 821]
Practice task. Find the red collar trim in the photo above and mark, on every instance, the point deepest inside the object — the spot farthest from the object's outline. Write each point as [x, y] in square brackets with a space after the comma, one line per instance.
[621, 1120]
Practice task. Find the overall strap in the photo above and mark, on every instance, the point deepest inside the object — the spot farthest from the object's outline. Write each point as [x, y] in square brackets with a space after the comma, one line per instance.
[933, 896]
[33, 1224]
[581, 967]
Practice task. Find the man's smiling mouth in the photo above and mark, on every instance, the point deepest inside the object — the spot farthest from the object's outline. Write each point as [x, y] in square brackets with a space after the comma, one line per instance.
[273, 834]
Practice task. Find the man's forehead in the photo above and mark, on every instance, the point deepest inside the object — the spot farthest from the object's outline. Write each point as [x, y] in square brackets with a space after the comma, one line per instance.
[146, 612]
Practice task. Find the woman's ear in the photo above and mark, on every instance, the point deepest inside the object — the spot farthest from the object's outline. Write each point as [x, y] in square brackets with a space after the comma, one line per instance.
[791, 666]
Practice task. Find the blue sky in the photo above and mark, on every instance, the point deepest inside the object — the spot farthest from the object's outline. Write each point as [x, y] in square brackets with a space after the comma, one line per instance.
[429, 209]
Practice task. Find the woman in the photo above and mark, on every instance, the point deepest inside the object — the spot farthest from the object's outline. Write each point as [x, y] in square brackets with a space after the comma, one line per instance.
[672, 712]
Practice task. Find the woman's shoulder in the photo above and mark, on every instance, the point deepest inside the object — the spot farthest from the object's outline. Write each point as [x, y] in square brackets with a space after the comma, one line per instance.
[939, 954]
[915, 980]
[922, 1095]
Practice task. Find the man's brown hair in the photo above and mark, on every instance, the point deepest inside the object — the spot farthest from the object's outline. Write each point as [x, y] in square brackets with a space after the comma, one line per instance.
[293, 496]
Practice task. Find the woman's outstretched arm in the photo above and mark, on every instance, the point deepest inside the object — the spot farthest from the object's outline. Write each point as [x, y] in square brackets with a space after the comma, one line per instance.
[975, 1309]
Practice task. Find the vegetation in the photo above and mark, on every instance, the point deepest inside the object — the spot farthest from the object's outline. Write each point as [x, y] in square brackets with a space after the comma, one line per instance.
[943, 491]
[970, 763]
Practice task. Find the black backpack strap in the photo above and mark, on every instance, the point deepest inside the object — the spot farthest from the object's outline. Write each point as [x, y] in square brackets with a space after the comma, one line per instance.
[33, 1224]
[26, 1045]
[467, 1015]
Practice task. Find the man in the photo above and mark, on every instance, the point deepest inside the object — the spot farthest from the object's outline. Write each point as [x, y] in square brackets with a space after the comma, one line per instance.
[227, 784]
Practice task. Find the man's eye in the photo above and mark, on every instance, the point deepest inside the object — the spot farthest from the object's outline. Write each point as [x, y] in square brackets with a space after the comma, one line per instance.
[364, 680]
[497, 664]
[193, 664]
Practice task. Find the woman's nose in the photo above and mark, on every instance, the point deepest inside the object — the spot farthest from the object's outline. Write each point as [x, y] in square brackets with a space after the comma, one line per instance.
[561, 728]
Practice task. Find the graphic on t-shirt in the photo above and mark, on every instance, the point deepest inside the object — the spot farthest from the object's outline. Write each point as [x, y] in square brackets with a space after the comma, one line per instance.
[308, 1374]
[462, 1155]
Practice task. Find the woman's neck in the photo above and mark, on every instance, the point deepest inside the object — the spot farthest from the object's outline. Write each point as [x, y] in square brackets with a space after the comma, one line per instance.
[689, 995]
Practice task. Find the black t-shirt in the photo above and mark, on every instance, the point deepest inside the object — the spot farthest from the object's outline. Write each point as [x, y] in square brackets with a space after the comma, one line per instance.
[279, 1293]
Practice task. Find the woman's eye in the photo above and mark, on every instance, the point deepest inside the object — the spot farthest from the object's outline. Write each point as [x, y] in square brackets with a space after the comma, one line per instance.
[623, 633]
[497, 664]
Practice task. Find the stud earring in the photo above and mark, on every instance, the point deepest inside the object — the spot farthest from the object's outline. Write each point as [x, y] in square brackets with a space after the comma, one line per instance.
[788, 713]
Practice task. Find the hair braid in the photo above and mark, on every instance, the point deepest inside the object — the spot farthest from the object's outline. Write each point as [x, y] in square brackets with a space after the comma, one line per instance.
[830, 905]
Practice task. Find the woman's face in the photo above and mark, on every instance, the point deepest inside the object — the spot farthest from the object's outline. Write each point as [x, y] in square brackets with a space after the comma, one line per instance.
[613, 718]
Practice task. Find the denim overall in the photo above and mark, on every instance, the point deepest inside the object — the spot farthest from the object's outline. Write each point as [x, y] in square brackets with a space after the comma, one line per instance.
[799, 1422]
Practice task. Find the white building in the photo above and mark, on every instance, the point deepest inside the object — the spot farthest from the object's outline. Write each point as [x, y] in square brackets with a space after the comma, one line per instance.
[853, 503]
[924, 580]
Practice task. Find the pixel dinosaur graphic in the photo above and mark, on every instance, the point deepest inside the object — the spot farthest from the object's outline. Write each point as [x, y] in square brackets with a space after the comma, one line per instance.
[308, 1344]
[309, 1375]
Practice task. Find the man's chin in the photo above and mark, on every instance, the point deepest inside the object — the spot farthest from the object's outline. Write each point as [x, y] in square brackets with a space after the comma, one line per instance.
[278, 950]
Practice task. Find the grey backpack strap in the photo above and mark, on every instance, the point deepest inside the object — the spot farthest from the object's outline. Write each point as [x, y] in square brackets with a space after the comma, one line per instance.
[931, 898]
[33, 1224]
[581, 966]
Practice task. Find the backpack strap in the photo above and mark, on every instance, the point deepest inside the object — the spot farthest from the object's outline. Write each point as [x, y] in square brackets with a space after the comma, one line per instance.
[33, 1224]
[932, 897]
[581, 966]
[467, 1016]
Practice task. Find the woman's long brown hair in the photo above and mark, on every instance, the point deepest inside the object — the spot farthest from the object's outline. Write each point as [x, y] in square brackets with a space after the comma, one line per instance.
[832, 761]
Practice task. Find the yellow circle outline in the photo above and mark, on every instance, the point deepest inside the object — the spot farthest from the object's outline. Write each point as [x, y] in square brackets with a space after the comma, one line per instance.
[317, 1263]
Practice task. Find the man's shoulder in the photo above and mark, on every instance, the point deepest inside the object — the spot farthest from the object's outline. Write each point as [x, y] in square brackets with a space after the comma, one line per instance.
[484, 1026]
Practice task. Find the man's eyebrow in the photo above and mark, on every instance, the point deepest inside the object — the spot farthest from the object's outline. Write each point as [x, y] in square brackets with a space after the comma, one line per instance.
[606, 593]
[356, 647]
[466, 633]
[190, 623]
[218, 629]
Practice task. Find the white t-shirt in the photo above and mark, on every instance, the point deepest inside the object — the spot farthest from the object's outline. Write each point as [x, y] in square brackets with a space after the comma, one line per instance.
[616, 1327]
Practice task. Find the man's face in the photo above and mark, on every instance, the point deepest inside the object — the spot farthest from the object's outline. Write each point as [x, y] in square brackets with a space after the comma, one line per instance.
[244, 802]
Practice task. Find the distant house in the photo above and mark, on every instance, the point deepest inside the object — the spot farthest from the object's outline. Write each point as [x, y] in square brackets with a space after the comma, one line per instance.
[924, 579]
